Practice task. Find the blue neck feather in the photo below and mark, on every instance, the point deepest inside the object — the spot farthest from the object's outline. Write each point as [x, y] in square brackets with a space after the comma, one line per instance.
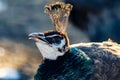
[74, 65]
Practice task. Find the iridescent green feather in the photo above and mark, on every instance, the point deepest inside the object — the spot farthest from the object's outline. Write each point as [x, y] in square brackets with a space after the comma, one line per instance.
[74, 65]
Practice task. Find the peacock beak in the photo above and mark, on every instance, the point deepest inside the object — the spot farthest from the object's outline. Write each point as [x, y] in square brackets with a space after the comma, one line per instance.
[36, 36]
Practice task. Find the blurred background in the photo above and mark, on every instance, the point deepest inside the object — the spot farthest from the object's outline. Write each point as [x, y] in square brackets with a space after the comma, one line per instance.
[90, 20]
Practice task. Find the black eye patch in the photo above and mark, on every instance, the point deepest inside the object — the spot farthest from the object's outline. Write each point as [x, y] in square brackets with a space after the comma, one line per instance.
[49, 40]
[55, 40]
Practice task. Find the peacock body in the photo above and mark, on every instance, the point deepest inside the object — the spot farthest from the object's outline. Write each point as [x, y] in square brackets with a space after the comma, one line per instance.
[87, 61]
[83, 61]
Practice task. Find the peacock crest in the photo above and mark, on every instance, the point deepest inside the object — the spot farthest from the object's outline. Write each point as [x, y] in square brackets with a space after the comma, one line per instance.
[59, 13]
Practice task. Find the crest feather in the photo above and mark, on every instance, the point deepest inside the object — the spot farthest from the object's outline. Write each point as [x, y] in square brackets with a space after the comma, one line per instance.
[59, 13]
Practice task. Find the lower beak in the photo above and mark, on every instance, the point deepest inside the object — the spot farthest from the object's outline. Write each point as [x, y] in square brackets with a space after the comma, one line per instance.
[30, 38]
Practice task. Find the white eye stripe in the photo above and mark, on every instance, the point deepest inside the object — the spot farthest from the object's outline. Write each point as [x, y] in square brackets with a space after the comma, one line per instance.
[43, 37]
[52, 35]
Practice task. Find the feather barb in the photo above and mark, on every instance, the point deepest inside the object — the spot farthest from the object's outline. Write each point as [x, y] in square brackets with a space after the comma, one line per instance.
[59, 13]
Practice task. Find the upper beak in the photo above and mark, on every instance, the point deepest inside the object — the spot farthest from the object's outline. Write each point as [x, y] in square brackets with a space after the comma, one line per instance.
[36, 36]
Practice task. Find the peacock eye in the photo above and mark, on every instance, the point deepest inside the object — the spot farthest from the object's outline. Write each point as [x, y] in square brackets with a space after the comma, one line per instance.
[56, 40]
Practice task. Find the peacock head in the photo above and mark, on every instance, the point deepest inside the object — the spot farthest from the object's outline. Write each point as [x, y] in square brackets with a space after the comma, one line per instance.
[54, 43]
[53, 39]
[51, 43]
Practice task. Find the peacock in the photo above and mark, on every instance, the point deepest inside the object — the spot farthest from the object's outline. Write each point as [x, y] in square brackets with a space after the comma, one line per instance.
[83, 61]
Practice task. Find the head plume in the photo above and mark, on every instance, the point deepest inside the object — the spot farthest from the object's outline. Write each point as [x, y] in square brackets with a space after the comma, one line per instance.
[59, 13]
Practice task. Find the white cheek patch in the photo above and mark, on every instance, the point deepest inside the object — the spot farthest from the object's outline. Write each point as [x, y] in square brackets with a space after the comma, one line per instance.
[47, 51]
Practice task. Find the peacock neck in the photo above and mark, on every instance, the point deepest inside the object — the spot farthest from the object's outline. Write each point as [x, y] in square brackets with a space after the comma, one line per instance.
[72, 65]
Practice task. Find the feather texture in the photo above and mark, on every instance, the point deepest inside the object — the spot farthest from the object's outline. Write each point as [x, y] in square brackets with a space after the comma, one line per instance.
[74, 65]
[89, 61]
[106, 57]
[59, 13]
[96, 61]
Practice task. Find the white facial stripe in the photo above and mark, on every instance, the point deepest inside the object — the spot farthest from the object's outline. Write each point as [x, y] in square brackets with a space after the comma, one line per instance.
[35, 33]
[42, 37]
[52, 35]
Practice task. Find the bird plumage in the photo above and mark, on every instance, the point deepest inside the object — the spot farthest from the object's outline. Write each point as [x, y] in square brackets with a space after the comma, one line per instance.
[103, 61]
[64, 62]
[74, 65]
[51, 43]
[106, 57]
